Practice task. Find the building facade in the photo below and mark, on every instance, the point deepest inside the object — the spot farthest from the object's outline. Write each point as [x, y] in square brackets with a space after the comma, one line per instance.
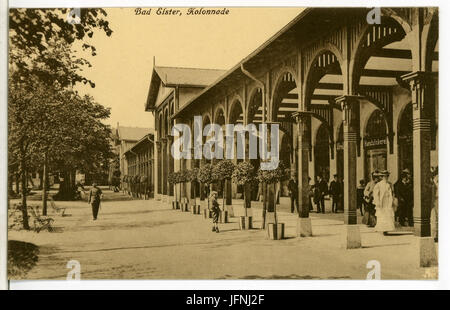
[170, 90]
[124, 139]
[350, 97]
[140, 163]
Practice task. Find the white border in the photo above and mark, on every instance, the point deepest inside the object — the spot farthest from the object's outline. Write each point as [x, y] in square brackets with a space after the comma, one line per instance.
[444, 165]
[3, 144]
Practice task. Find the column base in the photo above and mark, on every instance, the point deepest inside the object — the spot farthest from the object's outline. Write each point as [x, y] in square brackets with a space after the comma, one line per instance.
[229, 208]
[426, 249]
[270, 218]
[352, 237]
[158, 197]
[304, 227]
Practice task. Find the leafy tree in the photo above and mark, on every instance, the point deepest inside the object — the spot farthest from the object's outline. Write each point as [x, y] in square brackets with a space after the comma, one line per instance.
[206, 176]
[47, 121]
[271, 178]
[192, 176]
[35, 33]
[223, 171]
[244, 174]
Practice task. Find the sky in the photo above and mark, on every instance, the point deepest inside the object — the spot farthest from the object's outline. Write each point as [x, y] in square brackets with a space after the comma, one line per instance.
[123, 65]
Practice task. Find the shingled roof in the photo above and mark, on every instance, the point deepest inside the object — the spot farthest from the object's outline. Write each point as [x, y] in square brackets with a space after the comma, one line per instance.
[181, 77]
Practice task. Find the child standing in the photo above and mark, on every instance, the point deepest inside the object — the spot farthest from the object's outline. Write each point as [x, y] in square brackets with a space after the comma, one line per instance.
[215, 210]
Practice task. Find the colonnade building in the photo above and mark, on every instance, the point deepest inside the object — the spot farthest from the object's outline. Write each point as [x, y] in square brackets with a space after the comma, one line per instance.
[350, 97]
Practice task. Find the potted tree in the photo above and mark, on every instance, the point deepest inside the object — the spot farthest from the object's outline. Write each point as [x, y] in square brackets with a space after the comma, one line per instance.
[171, 179]
[223, 171]
[244, 175]
[183, 178]
[192, 177]
[205, 176]
[271, 178]
[143, 186]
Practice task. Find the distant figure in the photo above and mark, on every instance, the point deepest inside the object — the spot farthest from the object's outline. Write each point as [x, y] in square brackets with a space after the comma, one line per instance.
[434, 204]
[369, 208]
[215, 210]
[80, 190]
[335, 192]
[321, 190]
[95, 195]
[404, 192]
[383, 196]
[293, 192]
[360, 196]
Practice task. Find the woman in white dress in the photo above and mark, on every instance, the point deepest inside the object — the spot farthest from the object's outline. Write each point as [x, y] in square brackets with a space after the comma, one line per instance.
[383, 199]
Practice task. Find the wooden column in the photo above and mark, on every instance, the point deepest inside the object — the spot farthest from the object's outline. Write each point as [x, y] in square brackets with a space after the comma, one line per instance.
[304, 227]
[422, 97]
[350, 109]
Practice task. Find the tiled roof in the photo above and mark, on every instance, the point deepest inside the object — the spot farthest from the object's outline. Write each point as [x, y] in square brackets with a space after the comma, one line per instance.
[188, 76]
[132, 133]
[175, 76]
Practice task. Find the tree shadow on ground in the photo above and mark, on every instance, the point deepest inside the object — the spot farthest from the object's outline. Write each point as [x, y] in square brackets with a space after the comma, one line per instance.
[22, 257]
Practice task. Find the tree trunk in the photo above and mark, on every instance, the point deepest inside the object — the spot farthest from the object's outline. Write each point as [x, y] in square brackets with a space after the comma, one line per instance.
[223, 194]
[17, 183]
[44, 185]
[41, 179]
[195, 192]
[264, 190]
[10, 184]
[67, 187]
[23, 169]
[247, 198]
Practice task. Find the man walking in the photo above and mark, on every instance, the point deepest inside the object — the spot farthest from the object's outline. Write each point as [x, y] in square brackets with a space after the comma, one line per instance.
[404, 193]
[322, 187]
[293, 191]
[95, 195]
[335, 192]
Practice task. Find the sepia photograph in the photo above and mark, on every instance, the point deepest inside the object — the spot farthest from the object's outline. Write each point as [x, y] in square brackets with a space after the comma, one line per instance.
[223, 143]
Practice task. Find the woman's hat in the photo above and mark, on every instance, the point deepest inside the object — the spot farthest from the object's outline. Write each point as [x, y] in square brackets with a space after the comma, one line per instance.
[384, 173]
[213, 193]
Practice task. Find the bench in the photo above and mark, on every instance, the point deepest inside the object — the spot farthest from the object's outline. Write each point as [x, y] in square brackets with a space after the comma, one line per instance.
[40, 221]
[54, 207]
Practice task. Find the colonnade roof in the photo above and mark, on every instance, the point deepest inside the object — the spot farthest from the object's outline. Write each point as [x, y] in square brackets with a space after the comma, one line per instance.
[302, 29]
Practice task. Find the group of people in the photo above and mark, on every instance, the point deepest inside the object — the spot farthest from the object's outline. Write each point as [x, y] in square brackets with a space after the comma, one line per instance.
[385, 204]
[317, 193]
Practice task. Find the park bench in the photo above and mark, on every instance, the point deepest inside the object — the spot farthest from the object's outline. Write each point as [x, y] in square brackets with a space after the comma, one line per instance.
[40, 221]
[56, 208]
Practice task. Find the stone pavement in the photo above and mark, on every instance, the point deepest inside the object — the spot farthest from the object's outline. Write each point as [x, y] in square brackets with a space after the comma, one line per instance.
[146, 239]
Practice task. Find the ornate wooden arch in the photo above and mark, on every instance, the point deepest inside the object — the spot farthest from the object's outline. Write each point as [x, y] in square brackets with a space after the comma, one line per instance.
[234, 101]
[256, 89]
[370, 39]
[284, 73]
[332, 57]
[216, 112]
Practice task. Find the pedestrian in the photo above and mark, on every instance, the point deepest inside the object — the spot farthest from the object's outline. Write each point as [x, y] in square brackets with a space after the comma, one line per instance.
[310, 191]
[215, 211]
[383, 196]
[335, 193]
[293, 192]
[360, 195]
[95, 195]
[323, 190]
[403, 191]
[434, 204]
[369, 207]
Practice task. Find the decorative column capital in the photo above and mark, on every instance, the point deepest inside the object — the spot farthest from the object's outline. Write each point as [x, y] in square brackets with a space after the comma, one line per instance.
[419, 82]
[350, 106]
[347, 102]
[418, 78]
[301, 116]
